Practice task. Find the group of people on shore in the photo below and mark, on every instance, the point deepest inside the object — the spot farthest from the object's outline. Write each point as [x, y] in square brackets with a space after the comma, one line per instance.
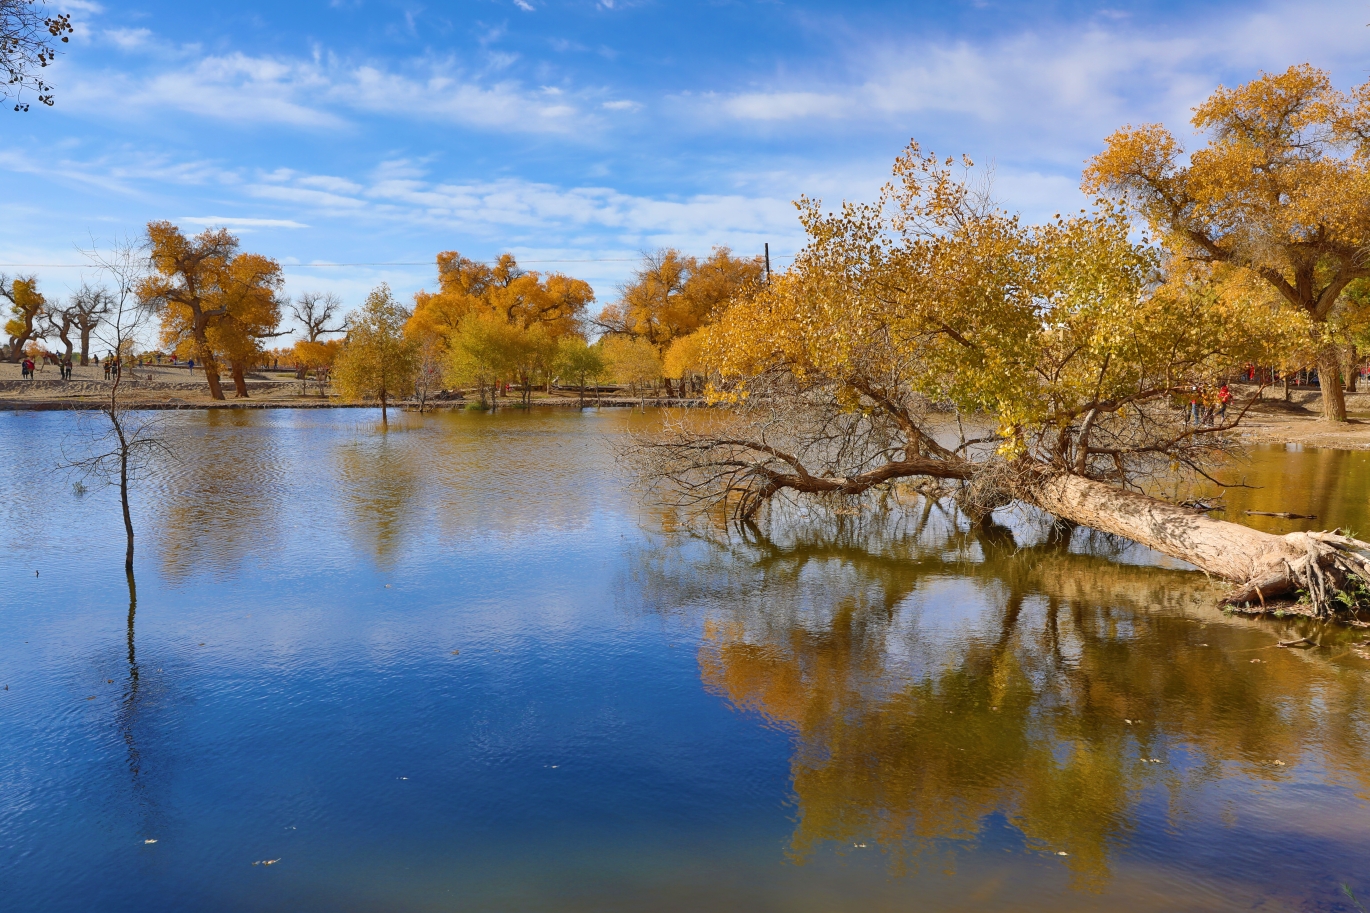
[28, 369]
[1207, 407]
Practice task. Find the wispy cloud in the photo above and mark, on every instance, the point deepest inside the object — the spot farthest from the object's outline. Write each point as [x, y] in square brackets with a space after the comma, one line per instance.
[238, 222]
[520, 211]
[1048, 89]
[321, 93]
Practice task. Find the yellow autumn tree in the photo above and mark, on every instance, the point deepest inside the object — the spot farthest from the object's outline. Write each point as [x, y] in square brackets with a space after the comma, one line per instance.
[672, 295]
[26, 305]
[317, 356]
[632, 361]
[1280, 192]
[215, 303]
[519, 297]
[1060, 350]
[378, 359]
[684, 359]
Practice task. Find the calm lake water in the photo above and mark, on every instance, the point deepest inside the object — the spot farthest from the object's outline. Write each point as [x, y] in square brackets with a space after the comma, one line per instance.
[460, 666]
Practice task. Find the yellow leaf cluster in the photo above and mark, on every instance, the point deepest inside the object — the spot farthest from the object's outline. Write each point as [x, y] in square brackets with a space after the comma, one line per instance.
[931, 289]
[520, 298]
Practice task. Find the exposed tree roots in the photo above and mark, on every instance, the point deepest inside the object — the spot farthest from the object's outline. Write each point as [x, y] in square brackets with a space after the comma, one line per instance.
[1326, 572]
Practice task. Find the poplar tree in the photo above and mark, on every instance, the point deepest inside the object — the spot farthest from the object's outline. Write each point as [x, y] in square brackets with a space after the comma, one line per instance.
[1281, 193]
[378, 360]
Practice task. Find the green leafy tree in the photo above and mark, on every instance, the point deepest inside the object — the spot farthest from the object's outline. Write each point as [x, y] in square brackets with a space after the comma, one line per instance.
[484, 348]
[632, 360]
[379, 360]
[580, 362]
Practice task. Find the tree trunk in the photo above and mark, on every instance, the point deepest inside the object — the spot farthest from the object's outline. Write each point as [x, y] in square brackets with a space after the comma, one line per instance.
[1352, 367]
[1329, 382]
[212, 376]
[128, 517]
[207, 360]
[1262, 565]
[239, 382]
[85, 347]
[1228, 550]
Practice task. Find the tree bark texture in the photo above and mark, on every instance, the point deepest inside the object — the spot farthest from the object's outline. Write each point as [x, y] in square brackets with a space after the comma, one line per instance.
[1326, 571]
[1329, 382]
[239, 381]
[1228, 550]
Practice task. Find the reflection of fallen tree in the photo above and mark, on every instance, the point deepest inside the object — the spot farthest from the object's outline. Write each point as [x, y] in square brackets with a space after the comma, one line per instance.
[1091, 363]
[1047, 708]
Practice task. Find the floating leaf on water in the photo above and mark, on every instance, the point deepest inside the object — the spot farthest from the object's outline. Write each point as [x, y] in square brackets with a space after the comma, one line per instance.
[152, 840]
[456, 652]
[1062, 853]
[266, 861]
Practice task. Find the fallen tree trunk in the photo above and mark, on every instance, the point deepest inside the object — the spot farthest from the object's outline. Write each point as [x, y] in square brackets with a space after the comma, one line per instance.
[1327, 567]
[1325, 574]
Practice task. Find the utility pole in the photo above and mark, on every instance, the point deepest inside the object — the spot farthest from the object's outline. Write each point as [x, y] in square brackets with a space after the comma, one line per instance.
[768, 261]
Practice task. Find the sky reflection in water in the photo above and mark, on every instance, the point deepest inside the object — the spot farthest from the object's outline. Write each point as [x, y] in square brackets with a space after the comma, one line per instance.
[460, 666]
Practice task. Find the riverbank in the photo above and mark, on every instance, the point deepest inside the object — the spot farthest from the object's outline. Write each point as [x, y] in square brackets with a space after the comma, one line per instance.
[1272, 421]
[1299, 421]
[165, 387]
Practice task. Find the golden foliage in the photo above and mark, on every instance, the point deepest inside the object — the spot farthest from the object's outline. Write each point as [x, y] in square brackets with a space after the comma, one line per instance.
[630, 360]
[672, 295]
[685, 356]
[316, 356]
[1281, 190]
[520, 298]
[215, 303]
[378, 360]
[933, 291]
[27, 305]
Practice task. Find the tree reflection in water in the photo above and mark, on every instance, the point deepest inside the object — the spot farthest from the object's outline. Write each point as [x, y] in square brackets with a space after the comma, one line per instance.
[127, 719]
[379, 477]
[936, 679]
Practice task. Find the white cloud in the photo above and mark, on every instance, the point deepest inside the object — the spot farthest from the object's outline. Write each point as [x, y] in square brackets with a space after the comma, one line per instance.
[128, 39]
[514, 211]
[236, 222]
[524, 5]
[1053, 89]
[122, 172]
[317, 93]
[621, 105]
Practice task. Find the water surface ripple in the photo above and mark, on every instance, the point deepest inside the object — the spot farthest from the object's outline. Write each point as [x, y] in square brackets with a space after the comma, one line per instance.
[460, 665]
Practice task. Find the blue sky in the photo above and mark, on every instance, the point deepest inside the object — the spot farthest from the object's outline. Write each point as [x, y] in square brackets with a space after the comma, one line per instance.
[381, 131]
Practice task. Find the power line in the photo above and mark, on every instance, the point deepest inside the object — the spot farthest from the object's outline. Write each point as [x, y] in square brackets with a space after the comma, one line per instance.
[339, 265]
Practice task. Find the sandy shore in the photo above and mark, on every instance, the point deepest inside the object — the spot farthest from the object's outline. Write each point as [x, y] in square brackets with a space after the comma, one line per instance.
[165, 387]
[1299, 421]
[1271, 421]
